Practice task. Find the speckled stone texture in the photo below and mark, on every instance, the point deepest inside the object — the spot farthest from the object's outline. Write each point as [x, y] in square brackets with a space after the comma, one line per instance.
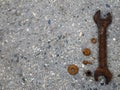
[39, 39]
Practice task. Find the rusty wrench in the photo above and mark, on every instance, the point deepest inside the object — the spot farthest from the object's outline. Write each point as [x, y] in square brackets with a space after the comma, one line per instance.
[102, 24]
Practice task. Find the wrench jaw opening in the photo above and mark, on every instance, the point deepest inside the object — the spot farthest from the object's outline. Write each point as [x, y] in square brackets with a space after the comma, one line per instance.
[103, 72]
[109, 18]
[106, 21]
[102, 22]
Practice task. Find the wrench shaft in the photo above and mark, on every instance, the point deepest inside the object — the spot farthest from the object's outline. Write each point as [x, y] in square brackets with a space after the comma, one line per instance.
[102, 47]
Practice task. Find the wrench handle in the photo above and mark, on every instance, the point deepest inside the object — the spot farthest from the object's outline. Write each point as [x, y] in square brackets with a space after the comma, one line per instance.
[102, 47]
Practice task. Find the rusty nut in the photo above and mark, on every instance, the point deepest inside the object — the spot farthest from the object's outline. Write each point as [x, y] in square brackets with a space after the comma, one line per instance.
[72, 69]
[86, 51]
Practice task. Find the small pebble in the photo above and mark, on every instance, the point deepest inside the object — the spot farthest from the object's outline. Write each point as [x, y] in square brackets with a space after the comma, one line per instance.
[114, 39]
[49, 21]
[80, 34]
[27, 29]
[107, 5]
[83, 65]
[73, 24]
[88, 73]
[23, 79]
[89, 89]
[114, 85]
[94, 88]
[73, 84]
[94, 58]
[102, 84]
[118, 75]
[46, 65]
[57, 55]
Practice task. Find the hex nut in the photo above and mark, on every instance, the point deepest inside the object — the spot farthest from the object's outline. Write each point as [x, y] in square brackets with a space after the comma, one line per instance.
[73, 69]
[86, 51]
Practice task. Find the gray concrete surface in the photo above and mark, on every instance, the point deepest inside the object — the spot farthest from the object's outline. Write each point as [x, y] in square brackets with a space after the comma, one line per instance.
[39, 39]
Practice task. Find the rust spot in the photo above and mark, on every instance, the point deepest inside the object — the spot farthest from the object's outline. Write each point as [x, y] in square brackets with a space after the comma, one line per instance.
[72, 69]
[86, 51]
[93, 40]
[85, 62]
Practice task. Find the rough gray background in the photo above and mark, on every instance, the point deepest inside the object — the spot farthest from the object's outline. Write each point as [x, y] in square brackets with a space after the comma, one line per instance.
[40, 38]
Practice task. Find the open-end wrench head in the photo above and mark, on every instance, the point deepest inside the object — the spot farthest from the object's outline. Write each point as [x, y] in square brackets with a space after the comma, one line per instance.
[102, 22]
[103, 72]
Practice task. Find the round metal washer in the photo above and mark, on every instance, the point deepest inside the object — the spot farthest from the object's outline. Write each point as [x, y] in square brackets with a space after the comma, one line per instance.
[72, 69]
